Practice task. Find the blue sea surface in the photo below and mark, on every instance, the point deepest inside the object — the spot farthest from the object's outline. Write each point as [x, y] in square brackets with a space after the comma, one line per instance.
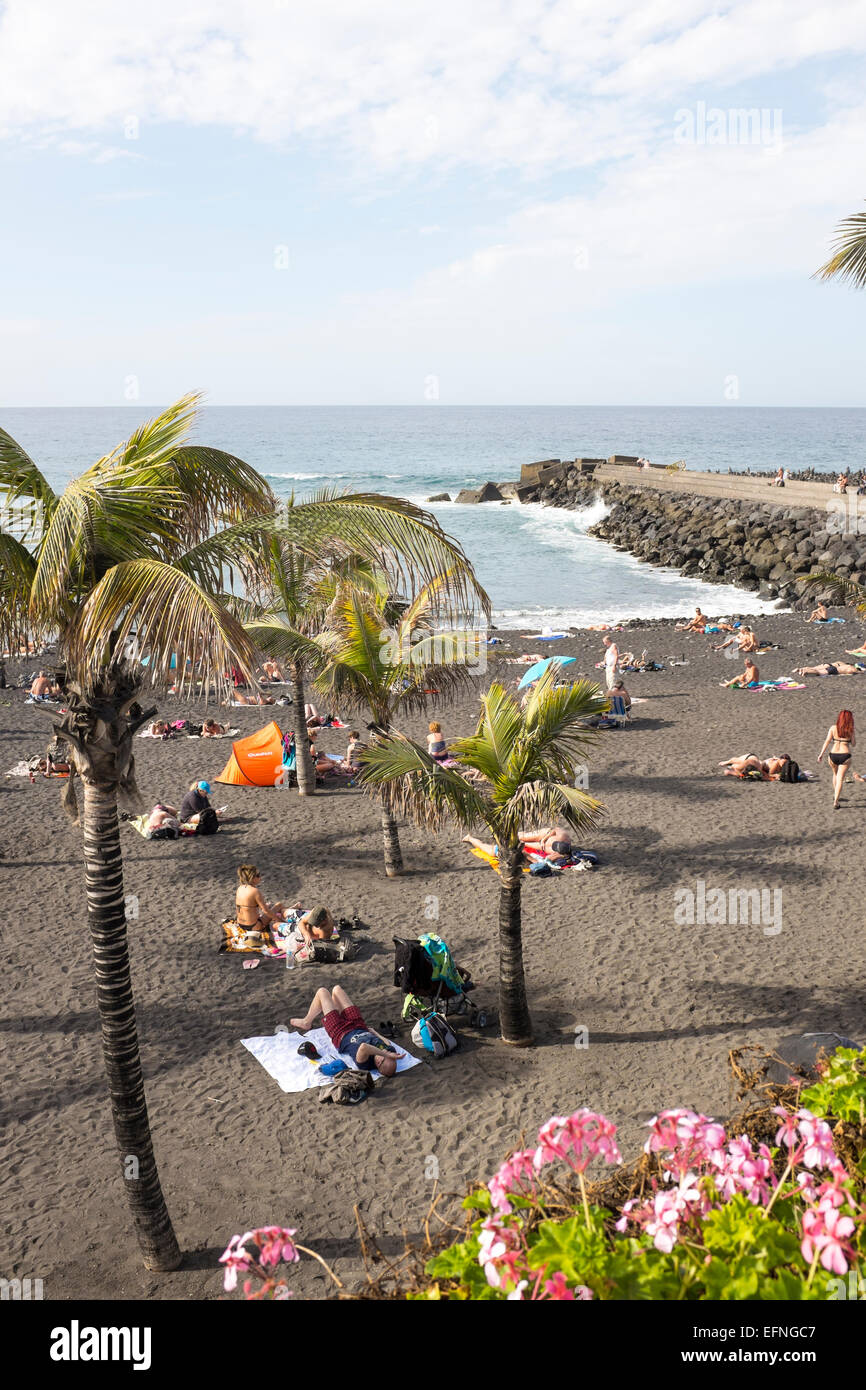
[538, 564]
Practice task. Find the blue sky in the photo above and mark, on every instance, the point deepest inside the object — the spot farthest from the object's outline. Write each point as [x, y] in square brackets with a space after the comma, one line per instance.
[381, 202]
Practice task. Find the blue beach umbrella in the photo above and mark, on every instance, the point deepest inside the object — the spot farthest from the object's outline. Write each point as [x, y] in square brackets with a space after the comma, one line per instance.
[537, 671]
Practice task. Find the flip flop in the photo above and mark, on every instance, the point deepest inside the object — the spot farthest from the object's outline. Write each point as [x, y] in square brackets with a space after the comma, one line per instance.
[251, 964]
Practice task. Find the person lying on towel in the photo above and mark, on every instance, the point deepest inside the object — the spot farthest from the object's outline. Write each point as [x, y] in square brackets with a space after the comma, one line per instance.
[364, 1049]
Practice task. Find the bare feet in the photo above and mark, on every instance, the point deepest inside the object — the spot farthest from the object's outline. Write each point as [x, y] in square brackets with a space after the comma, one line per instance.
[302, 1024]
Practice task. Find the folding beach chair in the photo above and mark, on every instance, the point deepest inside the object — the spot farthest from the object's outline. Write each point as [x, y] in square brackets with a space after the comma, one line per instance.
[618, 712]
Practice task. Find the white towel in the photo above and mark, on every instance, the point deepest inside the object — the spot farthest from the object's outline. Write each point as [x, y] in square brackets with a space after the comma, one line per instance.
[278, 1054]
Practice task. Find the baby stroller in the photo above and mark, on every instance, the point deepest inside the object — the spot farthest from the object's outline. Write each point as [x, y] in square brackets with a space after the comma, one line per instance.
[425, 970]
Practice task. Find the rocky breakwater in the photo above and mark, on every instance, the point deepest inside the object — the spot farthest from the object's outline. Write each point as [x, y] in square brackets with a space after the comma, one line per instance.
[767, 548]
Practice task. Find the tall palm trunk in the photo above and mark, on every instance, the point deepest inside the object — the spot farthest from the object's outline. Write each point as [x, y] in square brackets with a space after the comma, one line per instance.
[515, 1023]
[305, 768]
[391, 839]
[99, 726]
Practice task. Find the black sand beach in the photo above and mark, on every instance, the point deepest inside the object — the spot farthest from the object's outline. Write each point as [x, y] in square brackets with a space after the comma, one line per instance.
[662, 1002]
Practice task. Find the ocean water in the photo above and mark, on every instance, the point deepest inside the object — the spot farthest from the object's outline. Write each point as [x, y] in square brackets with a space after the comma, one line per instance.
[538, 564]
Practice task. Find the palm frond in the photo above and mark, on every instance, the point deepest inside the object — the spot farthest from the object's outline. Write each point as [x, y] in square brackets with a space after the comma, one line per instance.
[94, 523]
[167, 613]
[17, 570]
[546, 803]
[275, 637]
[848, 261]
[21, 479]
[842, 591]
[420, 788]
[402, 540]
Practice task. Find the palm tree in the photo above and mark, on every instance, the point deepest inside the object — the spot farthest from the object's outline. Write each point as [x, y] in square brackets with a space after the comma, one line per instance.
[299, 589]
[151, 545]
[848, 261]
[520, 769]
[384, 657]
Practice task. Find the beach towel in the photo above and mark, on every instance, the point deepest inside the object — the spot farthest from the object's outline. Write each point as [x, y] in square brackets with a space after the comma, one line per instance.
[544, 636]
[278, 1054]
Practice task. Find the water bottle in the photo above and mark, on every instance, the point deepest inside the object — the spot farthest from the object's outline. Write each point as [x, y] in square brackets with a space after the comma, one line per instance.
[290, 958]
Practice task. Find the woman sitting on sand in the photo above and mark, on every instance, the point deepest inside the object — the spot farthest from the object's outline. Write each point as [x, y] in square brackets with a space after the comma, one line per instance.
[843, 740]
[436, 745]
[745, 641]
[768, 768]
[831, 668]
[818, 615]
[251, 910]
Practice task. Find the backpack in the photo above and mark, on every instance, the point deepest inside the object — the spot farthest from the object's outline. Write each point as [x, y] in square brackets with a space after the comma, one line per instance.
[435, 1033]
[208, 823]
[790, 772]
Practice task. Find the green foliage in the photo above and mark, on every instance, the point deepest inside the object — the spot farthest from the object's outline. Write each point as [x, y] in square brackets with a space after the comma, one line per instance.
[841, 1092]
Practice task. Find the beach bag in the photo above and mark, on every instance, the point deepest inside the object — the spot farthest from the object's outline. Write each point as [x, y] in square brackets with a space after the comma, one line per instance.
[790, 772]
[434, 1033]
[349, 1087]
[208, 822]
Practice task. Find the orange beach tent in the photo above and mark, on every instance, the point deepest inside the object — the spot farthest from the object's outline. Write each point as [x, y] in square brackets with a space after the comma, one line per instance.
[255, 761]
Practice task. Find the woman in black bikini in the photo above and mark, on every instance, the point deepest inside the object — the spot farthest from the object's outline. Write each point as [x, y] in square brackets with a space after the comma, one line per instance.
[843, 740]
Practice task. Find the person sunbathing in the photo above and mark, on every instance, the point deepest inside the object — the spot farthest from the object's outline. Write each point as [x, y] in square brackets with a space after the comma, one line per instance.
[744, 640]
[364, 1048]
[251, 910]
[831, 668]
[769, 769]
[211, 729]
[43, 688]
[818, 615]
[554, 843]
[239, 698]
[619, 689]
[436, 745]
[273, 673]
[162, 818]
[750, 677]
[160, 728]
[697, 623]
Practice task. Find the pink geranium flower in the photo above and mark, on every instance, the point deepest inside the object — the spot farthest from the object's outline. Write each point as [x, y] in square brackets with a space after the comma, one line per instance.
[825, 1230]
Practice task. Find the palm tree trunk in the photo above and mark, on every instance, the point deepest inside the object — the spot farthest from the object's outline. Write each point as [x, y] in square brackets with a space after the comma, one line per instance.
[303, 762]
[107, 920]
[391, 839]
[514, 1021]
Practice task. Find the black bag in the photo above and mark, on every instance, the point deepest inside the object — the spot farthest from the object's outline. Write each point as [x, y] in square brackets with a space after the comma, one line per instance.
[208, 822]
[790, 772]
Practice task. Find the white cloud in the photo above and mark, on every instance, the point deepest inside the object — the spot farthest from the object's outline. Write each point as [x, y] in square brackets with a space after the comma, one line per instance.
[522, 84]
